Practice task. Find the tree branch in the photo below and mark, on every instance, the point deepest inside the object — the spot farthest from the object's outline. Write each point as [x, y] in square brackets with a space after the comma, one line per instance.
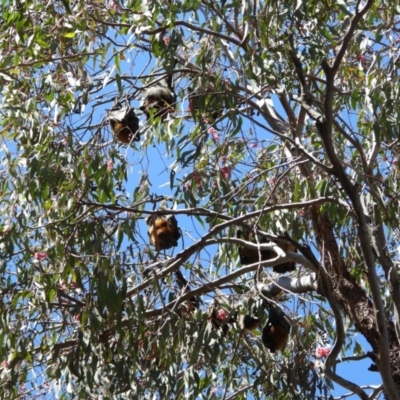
[340, 336]
[304, 284]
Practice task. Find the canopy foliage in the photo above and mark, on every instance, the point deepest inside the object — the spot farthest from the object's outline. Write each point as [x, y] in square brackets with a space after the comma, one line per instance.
[286, 125]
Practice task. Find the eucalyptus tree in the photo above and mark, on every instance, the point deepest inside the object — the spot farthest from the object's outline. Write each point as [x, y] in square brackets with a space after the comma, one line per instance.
[281, 123]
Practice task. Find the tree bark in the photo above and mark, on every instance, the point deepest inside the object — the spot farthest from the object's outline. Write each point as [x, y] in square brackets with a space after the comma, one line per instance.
[349, 295]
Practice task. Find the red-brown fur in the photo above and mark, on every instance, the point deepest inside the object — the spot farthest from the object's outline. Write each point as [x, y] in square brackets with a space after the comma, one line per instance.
[276, 331]
[163, 231]
[124, 124]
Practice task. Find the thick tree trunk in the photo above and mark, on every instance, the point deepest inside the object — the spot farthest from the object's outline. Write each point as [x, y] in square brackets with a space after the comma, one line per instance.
[349, 295]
